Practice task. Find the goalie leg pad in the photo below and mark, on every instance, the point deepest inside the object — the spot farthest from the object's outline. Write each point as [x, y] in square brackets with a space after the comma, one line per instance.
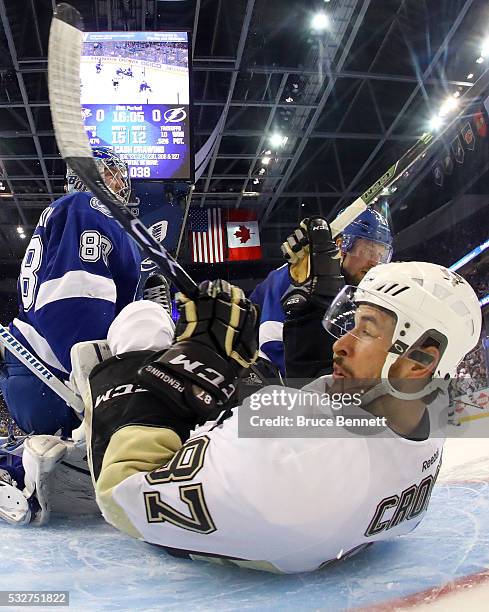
[84, 357]
[40, 457]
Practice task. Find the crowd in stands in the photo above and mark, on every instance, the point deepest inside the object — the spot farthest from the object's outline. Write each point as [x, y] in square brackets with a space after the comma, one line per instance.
[478, 278]
[171, 53]
[450, 245]
[6, 424]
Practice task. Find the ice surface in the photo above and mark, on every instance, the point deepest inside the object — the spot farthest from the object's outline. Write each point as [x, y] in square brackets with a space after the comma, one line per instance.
[104, 570]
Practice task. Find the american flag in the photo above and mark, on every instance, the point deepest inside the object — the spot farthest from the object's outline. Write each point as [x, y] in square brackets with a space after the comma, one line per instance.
[206, 235]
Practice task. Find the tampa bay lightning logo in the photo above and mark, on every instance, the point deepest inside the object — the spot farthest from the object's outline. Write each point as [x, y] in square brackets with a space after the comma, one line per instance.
[175, 115]
[148, 265]
[96, 204]
[85, 113]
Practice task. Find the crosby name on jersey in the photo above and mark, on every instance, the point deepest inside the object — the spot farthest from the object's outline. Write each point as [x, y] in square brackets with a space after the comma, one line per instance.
[79, 270]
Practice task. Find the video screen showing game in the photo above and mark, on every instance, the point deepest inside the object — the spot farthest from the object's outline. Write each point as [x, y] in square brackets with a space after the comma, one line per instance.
[135, 97]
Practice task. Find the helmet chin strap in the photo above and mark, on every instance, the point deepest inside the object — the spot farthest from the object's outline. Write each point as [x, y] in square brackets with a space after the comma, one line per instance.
[385, 387]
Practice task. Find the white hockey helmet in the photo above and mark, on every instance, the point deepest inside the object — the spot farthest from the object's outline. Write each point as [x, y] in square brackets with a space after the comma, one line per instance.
[428, 301]
[105, 160]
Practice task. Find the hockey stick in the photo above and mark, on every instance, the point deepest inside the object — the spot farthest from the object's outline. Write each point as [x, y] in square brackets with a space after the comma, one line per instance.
[40, 370]
[404, 165]
[65, 45]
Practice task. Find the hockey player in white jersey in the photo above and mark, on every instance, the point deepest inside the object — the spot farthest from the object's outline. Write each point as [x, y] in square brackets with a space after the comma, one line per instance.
[280, 504]
[79, 270]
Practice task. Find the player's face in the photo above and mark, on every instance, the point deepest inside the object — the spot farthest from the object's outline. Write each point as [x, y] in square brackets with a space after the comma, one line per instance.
[364, 255]
[360, 353]
[114, 180]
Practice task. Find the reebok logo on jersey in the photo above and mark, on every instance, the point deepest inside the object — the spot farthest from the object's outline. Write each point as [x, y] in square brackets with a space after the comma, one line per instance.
[431, 460]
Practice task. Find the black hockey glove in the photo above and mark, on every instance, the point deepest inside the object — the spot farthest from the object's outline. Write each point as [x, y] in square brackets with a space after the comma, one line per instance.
[216, 338]
[316, 276]
[296, 247]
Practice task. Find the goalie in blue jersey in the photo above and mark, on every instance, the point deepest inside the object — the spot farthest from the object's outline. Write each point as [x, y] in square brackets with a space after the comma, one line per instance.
[78, 272]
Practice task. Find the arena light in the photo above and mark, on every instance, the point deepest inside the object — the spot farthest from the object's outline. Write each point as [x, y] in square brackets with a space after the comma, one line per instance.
[479, 60]
[277, 140]
[470, 76]
[320, 22]
[448, 106]
[256, 181]
[485, 48]
[435, 123]
[20, 229]
[266, 160]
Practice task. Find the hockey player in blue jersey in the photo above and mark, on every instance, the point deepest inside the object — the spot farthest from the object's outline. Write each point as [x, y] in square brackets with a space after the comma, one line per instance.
[78, 272]
[144, 87]
[366, 242]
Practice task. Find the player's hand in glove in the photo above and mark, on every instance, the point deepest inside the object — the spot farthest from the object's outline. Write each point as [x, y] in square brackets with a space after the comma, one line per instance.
[216, 337]
[294, 245]
[314, 267]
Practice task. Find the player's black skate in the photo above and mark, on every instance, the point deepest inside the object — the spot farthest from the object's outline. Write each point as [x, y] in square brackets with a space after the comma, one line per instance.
[157, 289]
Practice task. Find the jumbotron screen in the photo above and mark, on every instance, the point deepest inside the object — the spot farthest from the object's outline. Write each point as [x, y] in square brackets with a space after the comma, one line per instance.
[135, 98]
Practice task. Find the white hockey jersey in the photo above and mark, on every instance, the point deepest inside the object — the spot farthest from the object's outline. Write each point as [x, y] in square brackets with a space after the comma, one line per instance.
[286, 505]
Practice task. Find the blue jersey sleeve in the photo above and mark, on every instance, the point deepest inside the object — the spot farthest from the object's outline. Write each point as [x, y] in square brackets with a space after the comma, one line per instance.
[87, 271]
[267, 295]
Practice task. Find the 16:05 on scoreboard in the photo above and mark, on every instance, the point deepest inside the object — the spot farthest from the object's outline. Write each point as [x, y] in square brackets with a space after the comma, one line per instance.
[151, 138]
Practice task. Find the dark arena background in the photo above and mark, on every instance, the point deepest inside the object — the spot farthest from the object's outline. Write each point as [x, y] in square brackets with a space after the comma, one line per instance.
[239, 119]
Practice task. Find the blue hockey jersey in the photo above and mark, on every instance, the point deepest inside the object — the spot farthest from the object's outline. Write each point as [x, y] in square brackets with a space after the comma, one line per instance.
[267, 295]
[79, 270]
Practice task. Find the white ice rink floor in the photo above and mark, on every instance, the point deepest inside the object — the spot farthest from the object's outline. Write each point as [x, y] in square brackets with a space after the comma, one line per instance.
[442, 566]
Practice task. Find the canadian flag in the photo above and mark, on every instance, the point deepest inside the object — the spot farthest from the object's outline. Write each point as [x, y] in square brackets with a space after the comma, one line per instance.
[243, 235]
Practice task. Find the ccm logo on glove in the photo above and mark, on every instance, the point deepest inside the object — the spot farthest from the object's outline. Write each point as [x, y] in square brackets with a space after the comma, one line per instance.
[117, 392]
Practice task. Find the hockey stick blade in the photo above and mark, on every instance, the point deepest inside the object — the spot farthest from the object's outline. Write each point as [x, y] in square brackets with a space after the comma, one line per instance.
[65, 46]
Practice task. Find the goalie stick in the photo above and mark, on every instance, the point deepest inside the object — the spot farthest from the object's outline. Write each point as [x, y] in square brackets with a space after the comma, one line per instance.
[65, 45]
[419, 151]
[40, 370]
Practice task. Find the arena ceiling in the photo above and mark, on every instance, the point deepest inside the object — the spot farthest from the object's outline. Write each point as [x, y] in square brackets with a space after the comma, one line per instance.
[349, 100]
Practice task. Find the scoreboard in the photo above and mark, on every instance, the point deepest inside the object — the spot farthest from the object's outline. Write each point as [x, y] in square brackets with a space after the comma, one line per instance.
[135, 95]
